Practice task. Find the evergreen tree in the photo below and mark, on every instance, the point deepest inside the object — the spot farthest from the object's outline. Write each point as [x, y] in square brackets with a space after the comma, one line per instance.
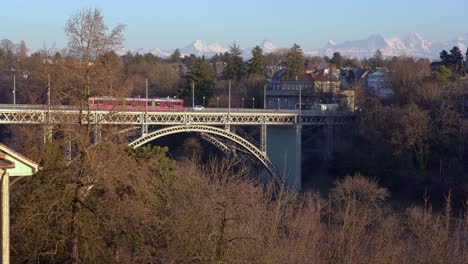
[175, 57]
[188, 60]
[256, 64]
[377, 60]
[456, 60]
[235, 68]
[203, 77]
[336, 59]
[444, 57]
[466, 60]
[296, 60]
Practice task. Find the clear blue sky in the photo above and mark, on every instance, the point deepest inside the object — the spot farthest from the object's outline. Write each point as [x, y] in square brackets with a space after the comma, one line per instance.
[169, 24]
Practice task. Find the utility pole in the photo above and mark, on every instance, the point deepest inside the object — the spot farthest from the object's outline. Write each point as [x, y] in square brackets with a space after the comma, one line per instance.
[146, 91]
[193, 94]
[229, 99]
[144, 126]
[14, 85]
[48, 90]
[300, 100]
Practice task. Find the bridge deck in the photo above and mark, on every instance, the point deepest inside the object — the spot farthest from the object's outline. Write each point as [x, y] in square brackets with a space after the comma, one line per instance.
[42, 114]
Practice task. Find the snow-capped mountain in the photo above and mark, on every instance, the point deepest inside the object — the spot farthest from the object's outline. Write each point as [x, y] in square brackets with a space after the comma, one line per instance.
[363, 47]
[417, 45]
[199, 48]
[155, 51]
[267, 46]
[460, 41]
[411, 45]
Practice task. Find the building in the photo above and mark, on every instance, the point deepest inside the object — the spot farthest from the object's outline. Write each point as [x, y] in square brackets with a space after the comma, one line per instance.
[378, 83]
[309, 89]
[284, 94]
[324, 84]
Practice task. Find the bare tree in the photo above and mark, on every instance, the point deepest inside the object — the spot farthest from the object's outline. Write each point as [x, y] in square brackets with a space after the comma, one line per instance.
[88, 39]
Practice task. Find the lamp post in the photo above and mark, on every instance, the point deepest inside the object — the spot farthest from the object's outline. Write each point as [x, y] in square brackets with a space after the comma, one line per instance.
[203, 101]
[217, 102]
[14, 85]
[278, 103]
[253, 102]
[242, 102]
[264, 96]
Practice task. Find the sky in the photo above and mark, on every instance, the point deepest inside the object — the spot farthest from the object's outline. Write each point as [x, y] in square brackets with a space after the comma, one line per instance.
[174, 24]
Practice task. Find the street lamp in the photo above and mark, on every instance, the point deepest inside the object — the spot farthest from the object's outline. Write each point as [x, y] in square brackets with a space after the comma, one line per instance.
[203, 100]
[14, 85]
[253, 102]
[217, 102]
[278, 104]
[242, 102]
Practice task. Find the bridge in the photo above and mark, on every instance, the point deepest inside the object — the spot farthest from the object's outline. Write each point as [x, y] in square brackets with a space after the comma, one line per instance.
[279, 149]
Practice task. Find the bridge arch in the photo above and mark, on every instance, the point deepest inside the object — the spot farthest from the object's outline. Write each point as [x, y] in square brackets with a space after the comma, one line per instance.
[256, 152]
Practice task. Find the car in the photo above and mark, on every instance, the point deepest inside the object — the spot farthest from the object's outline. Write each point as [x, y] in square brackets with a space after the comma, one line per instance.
[198, 108]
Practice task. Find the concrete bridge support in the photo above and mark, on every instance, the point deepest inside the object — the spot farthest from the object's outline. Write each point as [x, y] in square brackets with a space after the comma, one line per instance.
[284, 151]
[48, 133]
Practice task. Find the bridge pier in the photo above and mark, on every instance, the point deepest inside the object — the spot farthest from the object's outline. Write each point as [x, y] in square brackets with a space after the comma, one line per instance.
[284, 150]
[328, 149]
[48, 133]
[97, 135]
[144, 129]
[263, 138]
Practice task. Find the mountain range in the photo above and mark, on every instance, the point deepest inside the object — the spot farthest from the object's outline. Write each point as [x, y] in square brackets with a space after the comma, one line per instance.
[411, 45]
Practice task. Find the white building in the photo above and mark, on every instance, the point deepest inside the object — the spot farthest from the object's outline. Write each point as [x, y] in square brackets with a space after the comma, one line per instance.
[378, 83]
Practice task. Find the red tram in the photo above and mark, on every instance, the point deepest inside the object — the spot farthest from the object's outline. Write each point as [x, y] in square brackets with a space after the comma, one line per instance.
[137, 104]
